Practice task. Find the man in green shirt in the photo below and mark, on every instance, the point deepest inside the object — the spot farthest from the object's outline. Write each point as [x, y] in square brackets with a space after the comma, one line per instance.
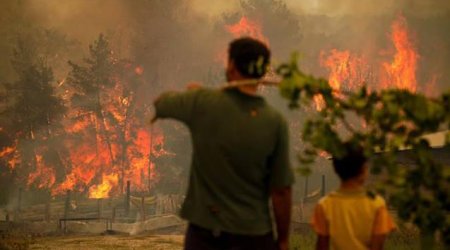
[240, 158]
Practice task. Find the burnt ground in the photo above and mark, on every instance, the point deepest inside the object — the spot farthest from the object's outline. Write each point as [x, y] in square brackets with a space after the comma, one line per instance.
[154, 242]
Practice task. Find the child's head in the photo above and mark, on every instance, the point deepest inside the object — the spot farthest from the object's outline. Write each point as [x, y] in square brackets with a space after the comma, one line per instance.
[352, 165]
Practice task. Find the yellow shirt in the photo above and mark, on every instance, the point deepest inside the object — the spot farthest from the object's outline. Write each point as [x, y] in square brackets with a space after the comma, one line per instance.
[350, 218]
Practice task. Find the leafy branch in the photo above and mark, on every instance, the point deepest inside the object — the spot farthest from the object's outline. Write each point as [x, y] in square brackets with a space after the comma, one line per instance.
[387, 122]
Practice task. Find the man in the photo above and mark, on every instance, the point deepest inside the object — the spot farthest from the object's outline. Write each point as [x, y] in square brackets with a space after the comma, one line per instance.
[240, 158]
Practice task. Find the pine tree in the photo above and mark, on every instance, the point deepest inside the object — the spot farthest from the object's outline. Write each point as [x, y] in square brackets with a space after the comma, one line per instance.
[31, 114]
[89, 81]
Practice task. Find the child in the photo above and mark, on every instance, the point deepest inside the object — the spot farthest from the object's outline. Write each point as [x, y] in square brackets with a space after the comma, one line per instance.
[351, 218]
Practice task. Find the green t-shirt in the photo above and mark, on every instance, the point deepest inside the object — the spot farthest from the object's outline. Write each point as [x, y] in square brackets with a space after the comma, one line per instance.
[240, 152]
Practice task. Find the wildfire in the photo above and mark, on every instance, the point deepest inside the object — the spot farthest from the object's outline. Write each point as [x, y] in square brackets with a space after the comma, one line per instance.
[43, 176]
[348, 71]
[107, 150]
[401, 73]
[102, 190]
[246, 27]
[11, 154]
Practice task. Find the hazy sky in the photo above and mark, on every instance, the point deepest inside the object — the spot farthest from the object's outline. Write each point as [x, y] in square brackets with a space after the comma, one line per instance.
[78, 15]
[337, 7]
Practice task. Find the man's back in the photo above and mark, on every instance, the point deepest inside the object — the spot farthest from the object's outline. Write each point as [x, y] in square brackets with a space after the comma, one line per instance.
[239, 153]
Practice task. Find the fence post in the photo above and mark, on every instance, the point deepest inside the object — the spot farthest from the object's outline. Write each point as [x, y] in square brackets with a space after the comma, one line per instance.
[127, 200]
[67, 205]
[323, 186]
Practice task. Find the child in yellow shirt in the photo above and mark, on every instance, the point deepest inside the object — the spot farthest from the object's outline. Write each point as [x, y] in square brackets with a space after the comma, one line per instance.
[351, 218]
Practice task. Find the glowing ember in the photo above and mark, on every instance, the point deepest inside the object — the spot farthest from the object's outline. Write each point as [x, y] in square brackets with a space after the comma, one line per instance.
[319, 102]
[7, 151]
[102, 190]
[139, 70]
[11, 155]
[246, 27]
[401, 73]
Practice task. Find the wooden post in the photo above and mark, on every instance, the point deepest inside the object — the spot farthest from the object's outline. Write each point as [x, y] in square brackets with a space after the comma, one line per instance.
[323, 191]
[67, 205]
[18, 209]
[99, 208]
[150, 158]
[127, 200]
[143, 208]
[19, 200]
[113, 215]
[306, 188]
[47, 211]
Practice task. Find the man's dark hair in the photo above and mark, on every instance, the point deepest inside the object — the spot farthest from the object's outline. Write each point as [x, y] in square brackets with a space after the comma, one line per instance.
[351, 163]
[250, 56]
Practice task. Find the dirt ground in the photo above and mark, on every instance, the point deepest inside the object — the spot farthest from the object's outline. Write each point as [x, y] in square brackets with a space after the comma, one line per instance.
[153, 242]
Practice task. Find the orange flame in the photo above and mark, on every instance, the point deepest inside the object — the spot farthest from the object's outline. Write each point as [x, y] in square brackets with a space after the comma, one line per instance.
[7, 151]
[43, 176]
[139, 70]
[401, 73]
[319, 102]
[347, 71]
[12, 156]
[108, 152]
[246, 27]
[102, 190]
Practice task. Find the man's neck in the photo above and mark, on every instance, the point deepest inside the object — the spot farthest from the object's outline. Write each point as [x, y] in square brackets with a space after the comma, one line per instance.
[250, 89]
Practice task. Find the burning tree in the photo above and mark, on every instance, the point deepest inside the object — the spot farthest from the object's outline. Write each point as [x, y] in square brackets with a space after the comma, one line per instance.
[31, 119]
[107, 135]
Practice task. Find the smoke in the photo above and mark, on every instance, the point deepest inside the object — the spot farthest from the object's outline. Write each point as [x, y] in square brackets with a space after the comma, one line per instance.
[421, 8]
[82, 19]
[177, 41]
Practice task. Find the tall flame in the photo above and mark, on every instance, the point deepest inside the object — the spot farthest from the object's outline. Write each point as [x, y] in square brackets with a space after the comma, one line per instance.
[401, 73]
[347, 70]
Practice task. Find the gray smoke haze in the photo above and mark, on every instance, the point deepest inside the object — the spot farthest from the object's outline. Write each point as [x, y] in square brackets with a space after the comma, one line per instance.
[422, 8]
[324, 24]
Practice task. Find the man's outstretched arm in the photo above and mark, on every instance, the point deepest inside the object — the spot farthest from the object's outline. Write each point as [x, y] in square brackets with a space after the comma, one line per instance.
[282, 204]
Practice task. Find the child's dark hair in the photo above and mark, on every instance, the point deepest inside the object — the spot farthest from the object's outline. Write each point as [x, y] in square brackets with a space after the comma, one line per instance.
[351, 163]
